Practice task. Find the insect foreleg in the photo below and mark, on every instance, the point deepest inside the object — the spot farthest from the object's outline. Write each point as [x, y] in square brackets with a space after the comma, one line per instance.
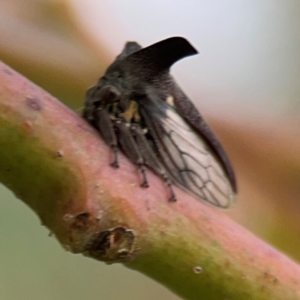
[104, 124]
[130, 148]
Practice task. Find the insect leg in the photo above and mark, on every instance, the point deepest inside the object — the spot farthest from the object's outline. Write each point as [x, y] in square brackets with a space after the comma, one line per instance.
[150, 158]
[130, 148]
[104, 124]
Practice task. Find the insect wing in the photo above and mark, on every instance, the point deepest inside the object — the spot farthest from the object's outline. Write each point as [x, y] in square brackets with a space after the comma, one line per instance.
[186, 156]
[187, 109]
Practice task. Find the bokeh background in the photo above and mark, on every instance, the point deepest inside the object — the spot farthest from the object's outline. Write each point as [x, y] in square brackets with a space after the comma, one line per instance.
[246, 82]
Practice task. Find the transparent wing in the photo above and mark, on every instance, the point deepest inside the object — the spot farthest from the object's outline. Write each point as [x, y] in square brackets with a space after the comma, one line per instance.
[186, 156]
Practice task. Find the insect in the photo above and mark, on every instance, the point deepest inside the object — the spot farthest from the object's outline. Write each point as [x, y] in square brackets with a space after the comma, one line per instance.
[139, 109]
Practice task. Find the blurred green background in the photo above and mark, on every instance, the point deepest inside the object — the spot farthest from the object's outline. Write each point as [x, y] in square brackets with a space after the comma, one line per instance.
[246, 81]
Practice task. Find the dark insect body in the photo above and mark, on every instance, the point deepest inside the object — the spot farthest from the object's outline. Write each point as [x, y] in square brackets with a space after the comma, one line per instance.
[138, 107]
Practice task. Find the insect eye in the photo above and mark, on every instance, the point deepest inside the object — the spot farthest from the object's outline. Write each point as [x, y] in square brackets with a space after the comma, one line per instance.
[109, 94]
[97, 103]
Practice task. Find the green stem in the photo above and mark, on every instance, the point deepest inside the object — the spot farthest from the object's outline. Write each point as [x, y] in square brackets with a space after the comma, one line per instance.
[58, 165]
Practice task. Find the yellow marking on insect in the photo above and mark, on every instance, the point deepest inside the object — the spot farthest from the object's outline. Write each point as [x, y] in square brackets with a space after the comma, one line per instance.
[170, 100]
[132, 113]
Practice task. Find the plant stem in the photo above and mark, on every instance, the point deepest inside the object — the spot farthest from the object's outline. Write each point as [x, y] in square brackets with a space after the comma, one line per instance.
[57, 164]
